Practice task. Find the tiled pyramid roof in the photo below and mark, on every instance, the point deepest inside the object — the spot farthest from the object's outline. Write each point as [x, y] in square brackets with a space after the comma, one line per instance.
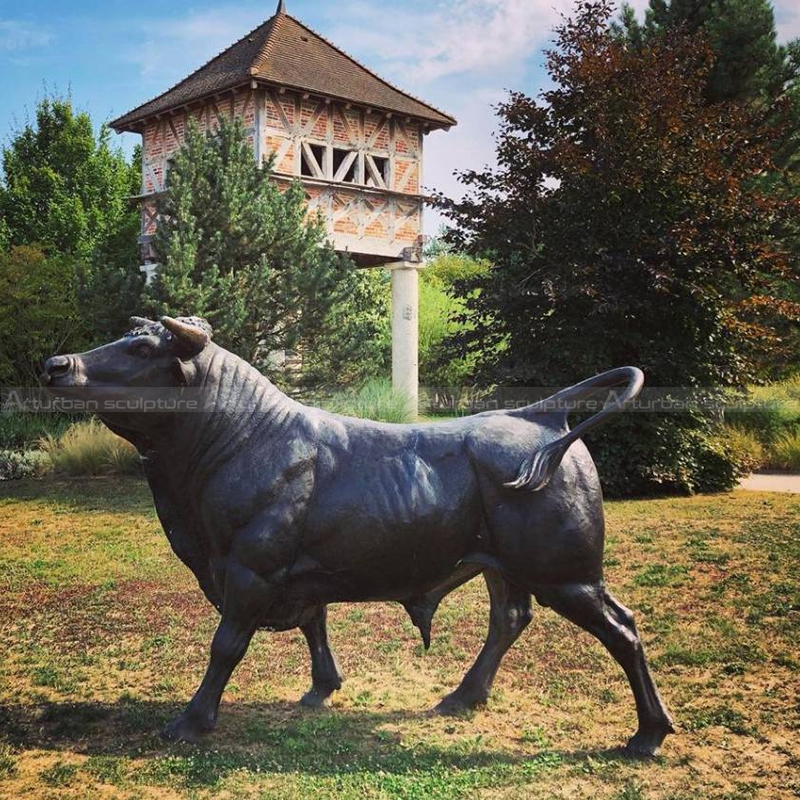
[285, 52]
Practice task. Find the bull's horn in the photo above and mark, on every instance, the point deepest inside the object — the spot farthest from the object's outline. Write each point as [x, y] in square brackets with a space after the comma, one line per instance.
[191, 335]
[141, 322]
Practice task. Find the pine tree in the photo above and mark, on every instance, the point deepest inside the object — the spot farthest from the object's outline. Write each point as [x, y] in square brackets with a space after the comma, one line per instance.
[749, 64]
[237, 250]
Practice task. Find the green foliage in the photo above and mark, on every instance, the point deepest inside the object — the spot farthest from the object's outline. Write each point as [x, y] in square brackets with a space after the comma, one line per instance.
[748, 66]
[641, 454]
[352, 342]
[440, 310]
[65, 191]
[748, 62]
[742, 447]
[90, 448]
[768, 411]
[110, 284]
[5, 234]
[64, 188]
[374, 400]
[21, 430]
[236, 249]
[652, 247]
[441, 316]
[39, 313]
[729, 454]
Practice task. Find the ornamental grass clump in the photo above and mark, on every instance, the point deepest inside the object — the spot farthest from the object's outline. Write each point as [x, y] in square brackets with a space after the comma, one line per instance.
[375, 400]
[785, 451]
[89, 448]
[771, 411]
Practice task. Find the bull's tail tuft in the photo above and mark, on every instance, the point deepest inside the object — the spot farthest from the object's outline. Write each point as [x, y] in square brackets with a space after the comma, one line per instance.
[536, 471]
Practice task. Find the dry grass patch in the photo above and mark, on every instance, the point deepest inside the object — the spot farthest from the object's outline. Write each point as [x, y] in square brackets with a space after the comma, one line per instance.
[104, 635]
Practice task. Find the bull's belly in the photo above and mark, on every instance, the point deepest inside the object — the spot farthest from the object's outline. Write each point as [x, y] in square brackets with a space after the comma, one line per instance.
[370, 558]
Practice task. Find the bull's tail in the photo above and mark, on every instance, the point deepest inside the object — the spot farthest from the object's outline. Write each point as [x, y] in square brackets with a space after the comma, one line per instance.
[536, 471]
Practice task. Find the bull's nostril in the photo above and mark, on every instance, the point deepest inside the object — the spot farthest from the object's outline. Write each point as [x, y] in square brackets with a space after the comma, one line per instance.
[57, 365]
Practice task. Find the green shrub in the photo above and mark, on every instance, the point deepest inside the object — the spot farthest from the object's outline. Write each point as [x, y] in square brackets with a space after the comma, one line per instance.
[784, 452]
[89, 448]
[645, 454]
[375, 400]
[16, 464]
[730, 453]
[769, 410]
[443, 373]
[21, 430]
[743, 446]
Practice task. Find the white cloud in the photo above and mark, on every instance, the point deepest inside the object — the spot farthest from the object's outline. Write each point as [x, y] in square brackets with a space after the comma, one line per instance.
[481, 35]
[787, 19]
[453, 37]
[172, 48]
[18, 35]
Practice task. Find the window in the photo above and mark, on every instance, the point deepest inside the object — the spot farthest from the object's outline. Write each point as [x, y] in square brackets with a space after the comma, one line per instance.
[168, 164]
[312, 160]
[377, 171]
[345, 165]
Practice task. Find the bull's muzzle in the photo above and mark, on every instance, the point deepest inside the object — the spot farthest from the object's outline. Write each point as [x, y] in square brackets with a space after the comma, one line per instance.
[55, 368]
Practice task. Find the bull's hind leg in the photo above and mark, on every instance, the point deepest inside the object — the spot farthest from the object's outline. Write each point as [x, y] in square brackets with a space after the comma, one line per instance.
[509, 615]
[325, 675]
[592, 608]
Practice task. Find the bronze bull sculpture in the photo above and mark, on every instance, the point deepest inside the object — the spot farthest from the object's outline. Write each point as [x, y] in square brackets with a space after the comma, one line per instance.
[279, 509]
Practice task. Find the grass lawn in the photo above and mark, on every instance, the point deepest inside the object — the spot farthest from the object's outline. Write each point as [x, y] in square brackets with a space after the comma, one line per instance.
[103, 637]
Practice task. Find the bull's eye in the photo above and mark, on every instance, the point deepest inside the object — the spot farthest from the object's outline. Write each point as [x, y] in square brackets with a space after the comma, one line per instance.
[142, 350]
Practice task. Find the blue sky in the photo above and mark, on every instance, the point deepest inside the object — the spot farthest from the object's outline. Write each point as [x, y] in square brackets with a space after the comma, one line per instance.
[460, 55]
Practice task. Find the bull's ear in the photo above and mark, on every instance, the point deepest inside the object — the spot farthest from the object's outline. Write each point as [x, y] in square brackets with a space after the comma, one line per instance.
[141, 322]
[190, 338]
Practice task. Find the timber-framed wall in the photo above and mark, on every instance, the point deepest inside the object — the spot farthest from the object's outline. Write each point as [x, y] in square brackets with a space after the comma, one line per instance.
[360, 167]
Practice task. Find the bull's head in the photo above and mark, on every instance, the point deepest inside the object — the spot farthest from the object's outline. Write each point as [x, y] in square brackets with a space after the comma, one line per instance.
[152, 355]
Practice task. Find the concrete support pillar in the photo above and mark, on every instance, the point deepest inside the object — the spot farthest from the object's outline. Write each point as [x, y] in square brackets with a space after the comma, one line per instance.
[405, 330]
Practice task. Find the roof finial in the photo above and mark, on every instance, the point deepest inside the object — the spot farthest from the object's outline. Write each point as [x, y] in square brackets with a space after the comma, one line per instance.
[281, 7]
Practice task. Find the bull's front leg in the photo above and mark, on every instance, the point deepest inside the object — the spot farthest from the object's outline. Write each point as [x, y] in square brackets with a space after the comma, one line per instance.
[326, 677]
[247, 598]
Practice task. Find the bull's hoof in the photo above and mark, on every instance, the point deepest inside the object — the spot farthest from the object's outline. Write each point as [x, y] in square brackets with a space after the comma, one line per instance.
[315, 698]
[184, 729]
[645, 744]
[458, 705]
